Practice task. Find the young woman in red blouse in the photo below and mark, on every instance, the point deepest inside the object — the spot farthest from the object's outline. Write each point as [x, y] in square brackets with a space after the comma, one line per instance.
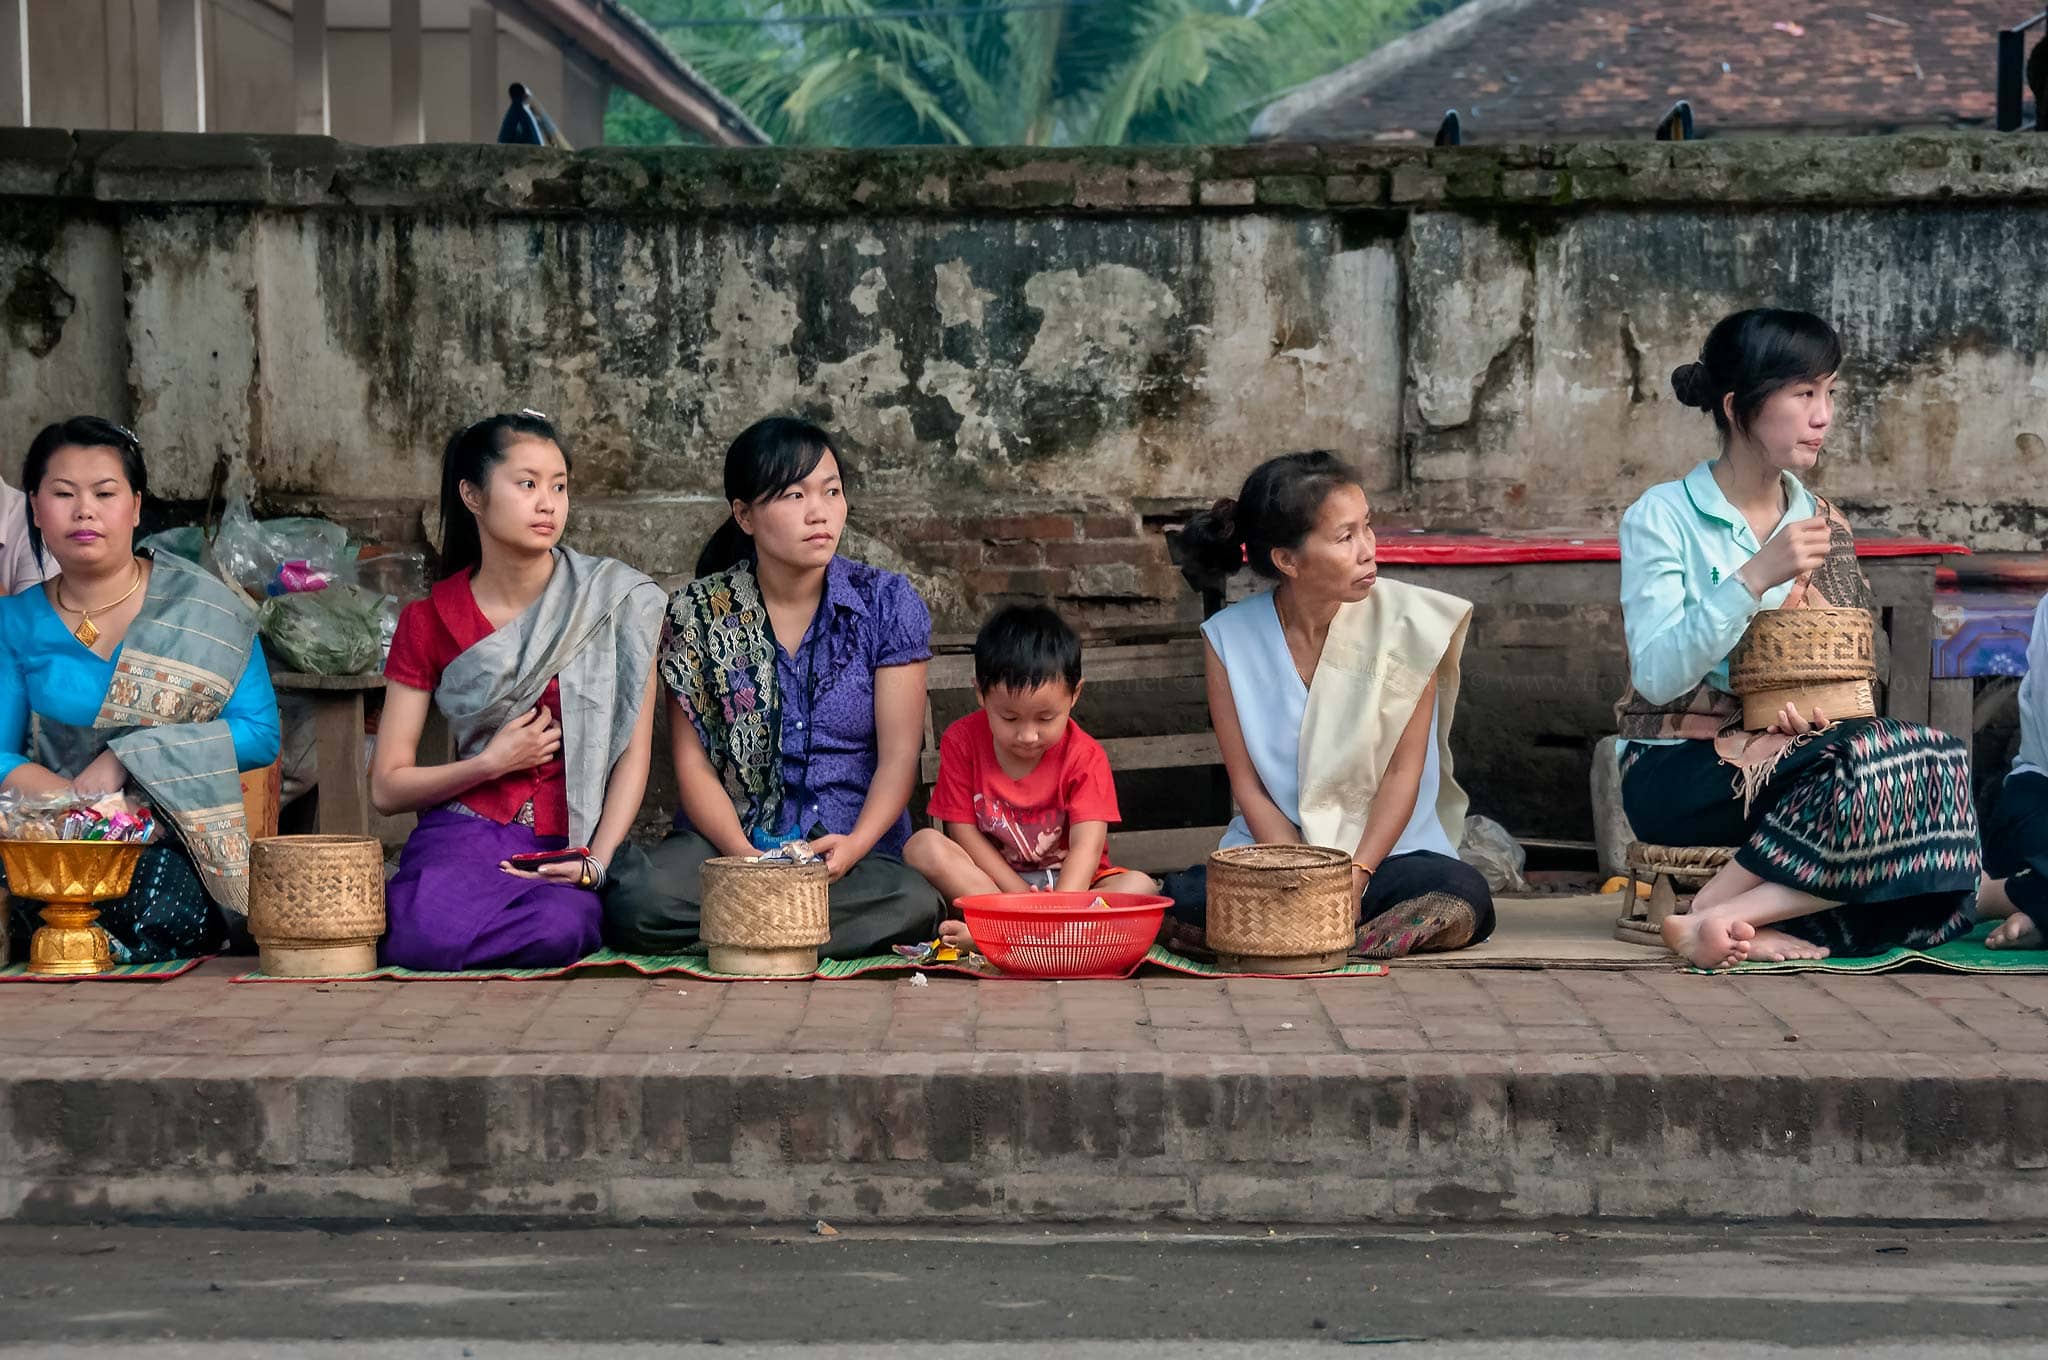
[542, 661]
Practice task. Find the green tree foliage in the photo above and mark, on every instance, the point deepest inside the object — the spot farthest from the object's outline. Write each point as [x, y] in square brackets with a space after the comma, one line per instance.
[986, 73]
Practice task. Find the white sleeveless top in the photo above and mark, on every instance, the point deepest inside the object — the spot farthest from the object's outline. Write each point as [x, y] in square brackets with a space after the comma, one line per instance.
[1269, 697]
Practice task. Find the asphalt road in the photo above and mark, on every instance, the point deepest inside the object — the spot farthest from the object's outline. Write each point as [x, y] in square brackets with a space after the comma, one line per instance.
[1548, 1295]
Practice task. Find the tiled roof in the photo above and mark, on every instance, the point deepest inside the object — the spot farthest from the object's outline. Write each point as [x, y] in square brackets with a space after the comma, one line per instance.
[1531, 69]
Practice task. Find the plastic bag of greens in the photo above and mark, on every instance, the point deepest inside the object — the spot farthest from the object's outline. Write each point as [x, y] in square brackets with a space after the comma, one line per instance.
[336, 631]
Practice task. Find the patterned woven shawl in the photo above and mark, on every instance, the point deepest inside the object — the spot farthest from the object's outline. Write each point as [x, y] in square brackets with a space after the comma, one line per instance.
[177, 669]
[719, 663]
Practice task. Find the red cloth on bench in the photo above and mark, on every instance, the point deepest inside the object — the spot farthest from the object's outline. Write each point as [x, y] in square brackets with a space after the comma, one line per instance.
[1399, 547]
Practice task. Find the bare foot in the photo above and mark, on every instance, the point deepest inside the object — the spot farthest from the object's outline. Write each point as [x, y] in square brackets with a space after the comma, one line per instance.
[1707, 940]
[954, 935]
[2017, 931]
[1775, 946]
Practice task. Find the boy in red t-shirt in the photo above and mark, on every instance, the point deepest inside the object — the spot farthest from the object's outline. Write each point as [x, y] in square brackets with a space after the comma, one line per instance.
[1024, 793]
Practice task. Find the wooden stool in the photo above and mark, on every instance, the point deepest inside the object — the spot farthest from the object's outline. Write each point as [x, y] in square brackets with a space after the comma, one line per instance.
[341, 774]
[1674, 873]
[261, 793]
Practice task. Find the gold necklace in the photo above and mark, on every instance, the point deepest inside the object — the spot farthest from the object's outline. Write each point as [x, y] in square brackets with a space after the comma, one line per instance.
[86, 632]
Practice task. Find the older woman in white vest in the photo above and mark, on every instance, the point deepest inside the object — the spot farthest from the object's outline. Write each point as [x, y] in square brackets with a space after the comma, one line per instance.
[1332, 695]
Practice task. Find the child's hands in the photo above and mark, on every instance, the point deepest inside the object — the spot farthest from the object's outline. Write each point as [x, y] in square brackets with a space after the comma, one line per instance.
[955, 935]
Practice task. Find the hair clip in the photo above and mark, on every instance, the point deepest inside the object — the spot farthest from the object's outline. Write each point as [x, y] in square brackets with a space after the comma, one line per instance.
[127, 434]
[532, 414]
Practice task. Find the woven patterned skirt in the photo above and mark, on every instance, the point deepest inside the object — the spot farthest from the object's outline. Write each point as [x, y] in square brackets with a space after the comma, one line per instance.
[1874, 813]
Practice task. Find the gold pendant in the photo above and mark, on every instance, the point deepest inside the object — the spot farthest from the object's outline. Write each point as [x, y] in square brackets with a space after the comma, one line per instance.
[86, 633]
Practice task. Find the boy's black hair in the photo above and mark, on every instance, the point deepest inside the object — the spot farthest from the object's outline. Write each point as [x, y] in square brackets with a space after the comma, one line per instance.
[1024, 646]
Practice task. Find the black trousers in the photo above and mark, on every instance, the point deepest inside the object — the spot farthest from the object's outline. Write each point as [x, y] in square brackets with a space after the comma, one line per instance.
[2016, 843]
[654, 902]
[1400, 878]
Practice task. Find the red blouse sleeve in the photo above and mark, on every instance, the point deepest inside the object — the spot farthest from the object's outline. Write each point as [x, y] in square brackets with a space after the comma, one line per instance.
[420, 648]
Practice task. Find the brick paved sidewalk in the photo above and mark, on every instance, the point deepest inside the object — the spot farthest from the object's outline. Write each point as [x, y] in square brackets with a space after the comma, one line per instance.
[1431, 1094]
[1413, 1010]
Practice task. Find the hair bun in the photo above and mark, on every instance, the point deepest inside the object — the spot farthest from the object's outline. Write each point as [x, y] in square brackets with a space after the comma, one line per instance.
[1693, 385]
[1210, 548]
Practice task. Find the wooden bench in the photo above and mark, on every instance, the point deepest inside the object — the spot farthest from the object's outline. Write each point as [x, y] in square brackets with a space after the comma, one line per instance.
[1559, 569]
[341, 773]
[1137, 657]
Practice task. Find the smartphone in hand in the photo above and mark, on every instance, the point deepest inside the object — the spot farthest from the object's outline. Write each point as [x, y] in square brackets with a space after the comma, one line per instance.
[572, 855]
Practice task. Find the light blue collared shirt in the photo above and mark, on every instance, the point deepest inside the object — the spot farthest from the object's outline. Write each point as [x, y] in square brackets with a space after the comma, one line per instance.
[1685, 609]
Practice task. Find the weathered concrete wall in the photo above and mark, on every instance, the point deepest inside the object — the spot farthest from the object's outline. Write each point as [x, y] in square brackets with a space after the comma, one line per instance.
[1035, 359]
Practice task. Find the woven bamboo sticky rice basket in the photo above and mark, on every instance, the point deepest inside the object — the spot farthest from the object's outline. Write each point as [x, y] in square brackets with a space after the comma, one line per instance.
[1281, 908]
[765, 920]
[1814, 658]
[316, 904]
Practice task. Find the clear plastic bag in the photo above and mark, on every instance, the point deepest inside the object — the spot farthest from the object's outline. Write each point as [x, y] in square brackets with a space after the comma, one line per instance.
[275, 557]
[68, 817]
[1494, 853]
[400, 573]
[336, 631]
[188, 542]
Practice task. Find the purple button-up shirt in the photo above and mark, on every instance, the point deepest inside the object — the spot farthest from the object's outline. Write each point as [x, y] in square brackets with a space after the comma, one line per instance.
[867, 619]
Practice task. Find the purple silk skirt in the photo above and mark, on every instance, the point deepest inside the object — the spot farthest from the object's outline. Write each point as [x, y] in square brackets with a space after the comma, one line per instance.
[450, 907]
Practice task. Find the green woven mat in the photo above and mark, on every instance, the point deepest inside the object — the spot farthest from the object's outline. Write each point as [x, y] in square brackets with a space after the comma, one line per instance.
[698, 966]
[1181, 963]
[121, 972]
[693, 965]
[1967, 955]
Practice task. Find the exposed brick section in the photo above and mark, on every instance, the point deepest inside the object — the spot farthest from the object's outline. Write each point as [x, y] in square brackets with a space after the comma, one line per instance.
[1012, 528]
[1095, 551]
[1109, 526]
[1100, 565]
[1026, 584]
[1611, 68]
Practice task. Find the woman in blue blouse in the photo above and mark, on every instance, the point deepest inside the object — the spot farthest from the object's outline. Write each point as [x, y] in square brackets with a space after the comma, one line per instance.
[795, 682]
[142, 671]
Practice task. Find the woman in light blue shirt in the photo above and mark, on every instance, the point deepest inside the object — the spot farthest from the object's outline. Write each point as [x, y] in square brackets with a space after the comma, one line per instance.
[1302, 523]
[1851, 837]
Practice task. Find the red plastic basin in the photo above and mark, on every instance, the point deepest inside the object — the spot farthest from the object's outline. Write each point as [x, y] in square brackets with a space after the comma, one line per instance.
[1056, 935]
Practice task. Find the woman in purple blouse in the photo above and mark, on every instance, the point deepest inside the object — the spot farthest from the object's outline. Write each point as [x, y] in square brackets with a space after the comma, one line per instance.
[795, 684]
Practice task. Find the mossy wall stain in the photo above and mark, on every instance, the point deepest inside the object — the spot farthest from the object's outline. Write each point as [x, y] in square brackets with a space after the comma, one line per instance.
[994, 356]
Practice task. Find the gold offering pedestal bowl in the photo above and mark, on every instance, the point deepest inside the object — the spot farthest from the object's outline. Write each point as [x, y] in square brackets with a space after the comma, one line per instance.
[70, 878]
